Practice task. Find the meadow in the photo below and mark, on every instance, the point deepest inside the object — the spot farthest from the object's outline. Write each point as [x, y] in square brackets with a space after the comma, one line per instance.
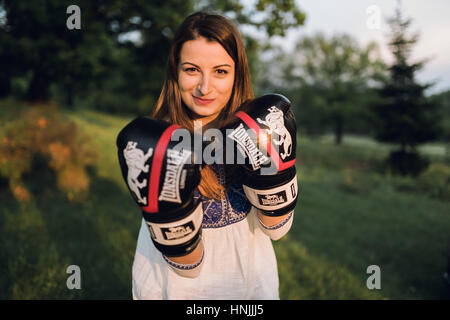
[349, 216]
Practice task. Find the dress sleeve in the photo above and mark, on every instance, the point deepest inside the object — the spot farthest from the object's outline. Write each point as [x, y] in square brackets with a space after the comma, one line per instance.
[279, 230]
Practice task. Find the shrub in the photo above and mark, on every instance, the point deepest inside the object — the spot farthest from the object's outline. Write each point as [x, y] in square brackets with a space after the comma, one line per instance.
[358, 181]
[42, 131]
[435, 181]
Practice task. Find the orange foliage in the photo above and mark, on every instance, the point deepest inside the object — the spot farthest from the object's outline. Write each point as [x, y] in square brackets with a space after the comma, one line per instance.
[43, 130]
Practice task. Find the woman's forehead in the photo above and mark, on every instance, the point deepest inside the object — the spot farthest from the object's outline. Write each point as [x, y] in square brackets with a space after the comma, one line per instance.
[204, 53]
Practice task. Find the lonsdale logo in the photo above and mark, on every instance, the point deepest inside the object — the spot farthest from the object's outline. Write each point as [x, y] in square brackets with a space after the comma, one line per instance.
[272, 199]
[256, 157]
[171, 187]
[178, 232]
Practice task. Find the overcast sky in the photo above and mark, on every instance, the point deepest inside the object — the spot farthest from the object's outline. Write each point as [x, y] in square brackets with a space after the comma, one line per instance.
[430, 18]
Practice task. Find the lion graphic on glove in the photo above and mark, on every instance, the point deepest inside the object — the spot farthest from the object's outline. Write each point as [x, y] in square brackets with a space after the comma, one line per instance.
[136, 159]
[274, 120]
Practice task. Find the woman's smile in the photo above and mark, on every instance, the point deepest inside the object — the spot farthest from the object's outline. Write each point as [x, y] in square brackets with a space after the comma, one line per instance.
[201, 101]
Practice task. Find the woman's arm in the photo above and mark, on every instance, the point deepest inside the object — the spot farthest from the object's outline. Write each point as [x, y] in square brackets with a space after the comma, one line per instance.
[189, 265]
[190, 258]
[275, 227]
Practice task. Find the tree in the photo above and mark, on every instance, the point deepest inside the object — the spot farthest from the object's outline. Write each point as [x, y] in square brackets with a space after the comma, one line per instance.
[329, 80]
[274, 17]
[38, 45]
[118, 58]
[406, 117]
[151, 52]
[442, 100]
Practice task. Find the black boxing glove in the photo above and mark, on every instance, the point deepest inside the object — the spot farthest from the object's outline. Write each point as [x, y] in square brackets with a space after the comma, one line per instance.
[264, 132]
[162, 178]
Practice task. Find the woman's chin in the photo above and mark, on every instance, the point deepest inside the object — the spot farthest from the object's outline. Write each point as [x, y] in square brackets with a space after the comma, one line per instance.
[202, 113]
[206, 118]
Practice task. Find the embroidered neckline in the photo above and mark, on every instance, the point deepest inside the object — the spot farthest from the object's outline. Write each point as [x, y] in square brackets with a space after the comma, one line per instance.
[233, 208]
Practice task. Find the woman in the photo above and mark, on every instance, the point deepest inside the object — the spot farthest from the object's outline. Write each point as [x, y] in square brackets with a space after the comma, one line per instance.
[207, 79]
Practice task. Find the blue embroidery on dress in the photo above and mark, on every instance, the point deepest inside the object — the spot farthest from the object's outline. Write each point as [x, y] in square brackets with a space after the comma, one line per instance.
[231, 209]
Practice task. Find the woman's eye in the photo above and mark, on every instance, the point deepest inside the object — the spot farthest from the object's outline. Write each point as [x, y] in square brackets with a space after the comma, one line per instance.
[221, 71]
[190, 70]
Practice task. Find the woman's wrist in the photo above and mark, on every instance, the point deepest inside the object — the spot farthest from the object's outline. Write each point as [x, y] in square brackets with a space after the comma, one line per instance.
[269, 221]
[191, 258]
[276, 227]
[188, 266]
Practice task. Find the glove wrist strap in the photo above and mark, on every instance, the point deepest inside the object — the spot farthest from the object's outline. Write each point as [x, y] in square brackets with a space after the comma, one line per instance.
[273, 199]
[177, 232]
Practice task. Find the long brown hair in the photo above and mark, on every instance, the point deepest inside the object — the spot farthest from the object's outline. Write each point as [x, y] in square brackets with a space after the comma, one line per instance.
[170, 106]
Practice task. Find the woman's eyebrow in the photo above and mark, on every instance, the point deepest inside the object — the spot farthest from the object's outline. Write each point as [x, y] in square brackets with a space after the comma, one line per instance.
[221, 65]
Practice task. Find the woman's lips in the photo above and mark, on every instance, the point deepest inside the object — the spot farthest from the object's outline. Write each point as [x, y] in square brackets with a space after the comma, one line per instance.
[201, 101]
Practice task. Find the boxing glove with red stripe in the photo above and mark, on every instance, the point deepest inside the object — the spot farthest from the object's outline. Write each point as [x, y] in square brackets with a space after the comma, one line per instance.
[264, 132]
[161, 175]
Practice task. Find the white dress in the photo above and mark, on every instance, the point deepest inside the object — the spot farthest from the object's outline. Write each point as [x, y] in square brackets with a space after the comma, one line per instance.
[238, 262]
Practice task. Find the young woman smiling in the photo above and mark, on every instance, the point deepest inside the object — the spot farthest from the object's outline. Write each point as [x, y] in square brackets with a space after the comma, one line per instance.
[207, 79]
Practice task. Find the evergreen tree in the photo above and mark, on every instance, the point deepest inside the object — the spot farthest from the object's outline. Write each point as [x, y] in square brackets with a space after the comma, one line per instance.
[406, 117]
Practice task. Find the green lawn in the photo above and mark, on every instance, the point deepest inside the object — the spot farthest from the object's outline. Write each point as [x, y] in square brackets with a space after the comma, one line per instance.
[348, 218]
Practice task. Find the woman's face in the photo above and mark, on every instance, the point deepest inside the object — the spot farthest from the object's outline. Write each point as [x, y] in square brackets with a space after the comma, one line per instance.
[205, 78]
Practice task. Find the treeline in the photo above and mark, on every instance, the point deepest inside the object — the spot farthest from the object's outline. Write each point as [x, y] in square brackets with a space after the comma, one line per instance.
[339, 86]
[116, 62]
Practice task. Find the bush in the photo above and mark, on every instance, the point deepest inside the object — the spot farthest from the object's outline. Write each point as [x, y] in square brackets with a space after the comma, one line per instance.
[435, 181]
[357, 181]
[40, 131]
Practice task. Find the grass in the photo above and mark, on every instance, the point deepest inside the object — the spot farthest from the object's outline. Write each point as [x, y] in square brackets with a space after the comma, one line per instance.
[405, 236]
[351, 216]
[430, 149]
[39, 240]
[103, 129]
[348, 218]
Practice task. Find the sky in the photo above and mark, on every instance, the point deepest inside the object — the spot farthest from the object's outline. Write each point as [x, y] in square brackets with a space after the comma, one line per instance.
[431, 18]
[358, 18]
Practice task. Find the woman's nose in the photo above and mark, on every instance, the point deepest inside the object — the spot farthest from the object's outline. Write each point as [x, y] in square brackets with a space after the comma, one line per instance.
[203, 86]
